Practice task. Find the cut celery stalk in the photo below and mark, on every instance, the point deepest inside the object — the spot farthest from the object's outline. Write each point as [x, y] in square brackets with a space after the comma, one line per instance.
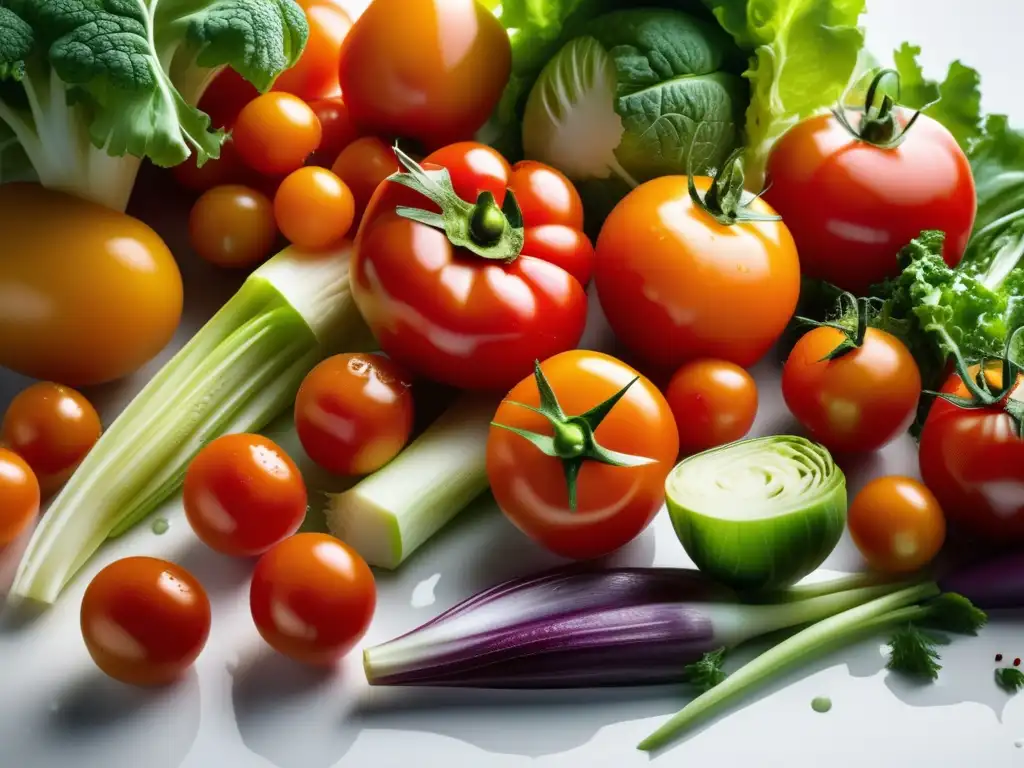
[388, 515]
[237, 373]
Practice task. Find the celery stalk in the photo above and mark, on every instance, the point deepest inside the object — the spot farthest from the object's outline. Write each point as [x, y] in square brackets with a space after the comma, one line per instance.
[389, 514]
[236, 374]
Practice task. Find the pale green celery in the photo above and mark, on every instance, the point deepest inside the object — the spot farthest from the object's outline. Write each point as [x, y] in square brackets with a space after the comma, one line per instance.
[388, 515]
[237, 373]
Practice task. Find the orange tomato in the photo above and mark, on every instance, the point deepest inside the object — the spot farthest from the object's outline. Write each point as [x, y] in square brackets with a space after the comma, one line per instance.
[315, 74]
[676, 285]
[432, 70]
[363, 165]
[714, 402]
[19, 496]
[354, 413]
[313, 208]
[232, 226]
[275, 133]
[92, 294]
[897, 524]
[614, 504]
[52, 427]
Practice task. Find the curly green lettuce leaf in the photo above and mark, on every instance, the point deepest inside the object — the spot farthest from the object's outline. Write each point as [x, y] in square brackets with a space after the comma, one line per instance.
[955, 102]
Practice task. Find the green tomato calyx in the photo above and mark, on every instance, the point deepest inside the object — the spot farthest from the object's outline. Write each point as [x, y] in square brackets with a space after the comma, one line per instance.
[573, 441]
[726, 200]
[851, 320]
[879, 123]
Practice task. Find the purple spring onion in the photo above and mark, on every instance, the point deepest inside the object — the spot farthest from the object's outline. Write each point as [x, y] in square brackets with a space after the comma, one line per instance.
[990, 584]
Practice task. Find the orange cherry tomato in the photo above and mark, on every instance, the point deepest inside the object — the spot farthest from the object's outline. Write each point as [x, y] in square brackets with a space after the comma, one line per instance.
[545, 195]
[312, 598]
[677, 286]
[315, 74]
[614, 504]
[145, 620]
[52, 427]
[897, 524]
[858, 402]
[354, 413]
[19, 496]
[232, 226]
[431, 71]
[336, 127]
[275, 133]
[363, 165]
[313, 208]
[714, 402]
[243, 494]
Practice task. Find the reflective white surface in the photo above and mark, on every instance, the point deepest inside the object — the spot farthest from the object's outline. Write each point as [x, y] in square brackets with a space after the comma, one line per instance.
[244, 707]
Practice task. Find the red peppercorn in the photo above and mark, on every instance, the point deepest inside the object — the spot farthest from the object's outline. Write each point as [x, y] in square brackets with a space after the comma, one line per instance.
[1016, 662]
[999, 657]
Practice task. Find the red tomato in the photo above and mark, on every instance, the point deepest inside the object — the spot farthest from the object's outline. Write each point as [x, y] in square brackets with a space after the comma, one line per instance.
[19, 496]
[431, 71]
[973, 461]
[275, 133]
[224, 98]
[545, 195]
[313, 208]
[568, 248]
[354, 413]
[676, 285]
[852, 205]
[897, 524]
[337, 129]
[243, 495]
[452, 316]
[227, 169]
[232, 226]
[312, 598]
[315, 74]
[145, 620]
[52, 427]
[858, 402]
[474, 168]
[363, 165]
[714, 402]
[614, 504]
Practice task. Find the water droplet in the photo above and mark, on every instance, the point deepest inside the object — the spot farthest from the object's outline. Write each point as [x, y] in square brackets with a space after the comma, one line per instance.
[821, 704]
[160, 526]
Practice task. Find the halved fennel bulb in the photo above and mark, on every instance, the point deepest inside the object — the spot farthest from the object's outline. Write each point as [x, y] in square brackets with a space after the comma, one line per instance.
[758, 514]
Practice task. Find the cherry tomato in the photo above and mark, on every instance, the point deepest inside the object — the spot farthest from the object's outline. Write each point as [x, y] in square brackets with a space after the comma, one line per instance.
[432, 71]
[315, 74]
[313, 208]
[336, 127]
[614, 504]
[354, 413]
[563, 246]
[714, 402]
[19, 496]
[145, 620]
[451, 316]
[363, 165]
[857, 402]
[973, 461]
[225, 97]
[227, 169]
[474, 168]
[243, 495]
[897, 524]
[852, 205]
[232, 226]
[545, 195]
[52, 427]
[312, 598]
[676, 285]
[275, 133]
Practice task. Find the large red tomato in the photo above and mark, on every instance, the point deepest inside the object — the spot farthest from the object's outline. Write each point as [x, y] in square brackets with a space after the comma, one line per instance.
[475, 317]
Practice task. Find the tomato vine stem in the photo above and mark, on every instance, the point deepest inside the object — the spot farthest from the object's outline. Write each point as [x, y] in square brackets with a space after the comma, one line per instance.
[879, 123]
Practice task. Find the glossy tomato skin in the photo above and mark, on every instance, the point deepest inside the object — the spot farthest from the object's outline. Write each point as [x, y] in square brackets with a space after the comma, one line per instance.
[858, 402]
[312, 598]
[336, 128]
[243, 494]
[677, 286]
[431, 70]
[973, 461]
[474, 168]
[275, 133]
[315, 75]
[313, 208]
[363, 165]
[145, 620]
[450, 316]
[354, 413]
[851, 205]
[614, 504]
[558, 244]
[714, 402]
[232, 226]
[545, 195]
[19, 496]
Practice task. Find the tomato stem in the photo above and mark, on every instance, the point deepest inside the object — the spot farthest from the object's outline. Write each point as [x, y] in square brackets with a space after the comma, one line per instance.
[573, 442]
[879, 124]
[487, 223]
[853, 337]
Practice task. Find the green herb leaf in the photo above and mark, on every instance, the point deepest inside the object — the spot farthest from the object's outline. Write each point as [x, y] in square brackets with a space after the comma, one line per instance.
[913, 653]
[1010, 679]
[955, 102]
[706, 673]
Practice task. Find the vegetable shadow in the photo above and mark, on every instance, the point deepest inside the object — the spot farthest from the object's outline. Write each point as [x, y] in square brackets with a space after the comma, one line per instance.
[219, 574]
[287, 712]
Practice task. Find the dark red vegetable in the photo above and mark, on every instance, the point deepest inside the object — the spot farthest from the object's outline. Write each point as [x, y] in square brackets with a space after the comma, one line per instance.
[994, 583]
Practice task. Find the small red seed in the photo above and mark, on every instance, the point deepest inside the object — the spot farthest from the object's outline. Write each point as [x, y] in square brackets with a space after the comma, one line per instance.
[1016, 662]
[999, 657]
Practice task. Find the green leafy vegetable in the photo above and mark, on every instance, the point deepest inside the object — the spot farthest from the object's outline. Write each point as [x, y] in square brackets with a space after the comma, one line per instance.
[1010, 679]
[705, 673]
[913, 653]
[955, 102]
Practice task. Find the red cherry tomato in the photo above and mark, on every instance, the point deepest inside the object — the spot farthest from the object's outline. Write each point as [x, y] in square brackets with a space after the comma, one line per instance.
[225, 97]
[315, 74]
[545, 195]
[19, 496]
[275, 133]
[363, 165]
[474, 168]
[227, 169]
[714, 402]
[354, 413]
[145, 620]
[243, 495]
[568, 248]
[852, 205]
[313, 208]
[897, 524]
[432, 71]
[337, 129]
[312, 598]
[973, 461]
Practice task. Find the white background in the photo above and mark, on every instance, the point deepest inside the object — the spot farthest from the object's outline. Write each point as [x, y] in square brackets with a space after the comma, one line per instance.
[245, 707]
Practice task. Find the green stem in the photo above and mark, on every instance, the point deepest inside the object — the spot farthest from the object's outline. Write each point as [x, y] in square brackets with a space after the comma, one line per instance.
[831, 586]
